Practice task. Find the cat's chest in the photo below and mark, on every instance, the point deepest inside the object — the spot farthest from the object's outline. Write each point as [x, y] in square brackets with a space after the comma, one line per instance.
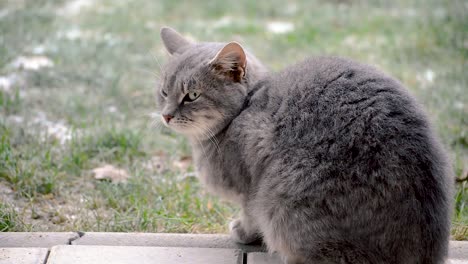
[208, 165]
[242, 147]
[204, 168]
[218, 179]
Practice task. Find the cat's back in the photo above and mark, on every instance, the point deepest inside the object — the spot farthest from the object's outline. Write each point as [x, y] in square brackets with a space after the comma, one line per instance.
[331, 96]
[335, 111]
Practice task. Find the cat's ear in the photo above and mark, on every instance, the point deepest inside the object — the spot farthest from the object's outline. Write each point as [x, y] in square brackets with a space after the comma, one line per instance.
[172, 40]
[230, 61]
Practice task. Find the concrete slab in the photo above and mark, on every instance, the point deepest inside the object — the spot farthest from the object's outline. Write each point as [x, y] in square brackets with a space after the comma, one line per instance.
[142, 255]
[457, 261]
[37, 239]
[263, 258]
[23, 255]
[164, 240]
[459, 250]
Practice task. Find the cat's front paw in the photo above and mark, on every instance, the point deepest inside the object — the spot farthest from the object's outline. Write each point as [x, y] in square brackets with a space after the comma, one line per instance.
[240, 234]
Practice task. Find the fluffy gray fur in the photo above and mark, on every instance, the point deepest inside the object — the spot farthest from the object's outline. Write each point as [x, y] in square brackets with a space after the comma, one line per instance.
[332, 161]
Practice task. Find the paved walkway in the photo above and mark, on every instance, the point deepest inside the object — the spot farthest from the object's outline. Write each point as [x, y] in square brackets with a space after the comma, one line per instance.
[142, 248]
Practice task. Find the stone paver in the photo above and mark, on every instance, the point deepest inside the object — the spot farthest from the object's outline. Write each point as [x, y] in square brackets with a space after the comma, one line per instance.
[459, 250]
[163, 240]
[123, 248]
[39, 239]
[263, 258]
[142, 255]
[457, 261]
[23, 255]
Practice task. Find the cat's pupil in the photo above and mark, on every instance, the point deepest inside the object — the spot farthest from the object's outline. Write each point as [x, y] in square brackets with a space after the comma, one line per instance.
[193, 95]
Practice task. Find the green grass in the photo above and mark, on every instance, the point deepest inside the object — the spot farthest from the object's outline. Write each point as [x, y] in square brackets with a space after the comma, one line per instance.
[92, 107]
[9, 220]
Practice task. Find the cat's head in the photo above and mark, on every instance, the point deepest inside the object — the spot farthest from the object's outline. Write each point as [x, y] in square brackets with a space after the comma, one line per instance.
[203, 85]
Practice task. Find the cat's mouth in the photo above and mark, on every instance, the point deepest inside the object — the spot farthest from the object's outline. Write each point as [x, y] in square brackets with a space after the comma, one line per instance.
[180, 126]
[189, 128]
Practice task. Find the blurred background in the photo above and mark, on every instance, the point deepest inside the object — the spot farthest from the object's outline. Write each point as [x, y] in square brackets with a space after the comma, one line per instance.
[79, 149]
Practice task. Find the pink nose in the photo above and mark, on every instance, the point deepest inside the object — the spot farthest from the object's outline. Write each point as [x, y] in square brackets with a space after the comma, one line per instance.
[167, 118]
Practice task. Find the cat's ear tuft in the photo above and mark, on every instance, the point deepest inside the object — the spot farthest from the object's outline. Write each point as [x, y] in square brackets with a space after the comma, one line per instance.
[230, 61]
[172, 40]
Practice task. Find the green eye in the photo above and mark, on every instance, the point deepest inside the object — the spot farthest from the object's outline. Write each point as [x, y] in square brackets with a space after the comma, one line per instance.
[192, 96]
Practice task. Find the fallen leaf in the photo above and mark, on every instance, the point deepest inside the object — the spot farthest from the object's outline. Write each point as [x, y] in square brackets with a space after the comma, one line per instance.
[183, 163]
[109, 172]
[32, 63]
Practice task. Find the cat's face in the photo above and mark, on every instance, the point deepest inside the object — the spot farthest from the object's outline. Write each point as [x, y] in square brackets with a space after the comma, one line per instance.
[202, 86]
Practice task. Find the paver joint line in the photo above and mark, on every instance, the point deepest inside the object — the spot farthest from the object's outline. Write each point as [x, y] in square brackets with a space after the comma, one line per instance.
[244, 257]
[46, 256]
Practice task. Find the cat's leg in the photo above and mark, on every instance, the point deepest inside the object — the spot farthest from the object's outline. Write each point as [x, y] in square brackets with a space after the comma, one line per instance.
[244, 230]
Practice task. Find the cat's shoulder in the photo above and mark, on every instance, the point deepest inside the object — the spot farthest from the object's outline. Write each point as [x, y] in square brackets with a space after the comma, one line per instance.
[329, 71]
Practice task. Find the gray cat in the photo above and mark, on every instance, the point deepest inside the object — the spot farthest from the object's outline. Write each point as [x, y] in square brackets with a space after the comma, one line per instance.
[332, 161]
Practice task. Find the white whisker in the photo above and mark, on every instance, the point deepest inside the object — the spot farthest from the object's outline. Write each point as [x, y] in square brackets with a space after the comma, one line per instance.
[207, 132]
[152, 73]
[216, 141]
[156, 59]
[199, 141]
[155, 120]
